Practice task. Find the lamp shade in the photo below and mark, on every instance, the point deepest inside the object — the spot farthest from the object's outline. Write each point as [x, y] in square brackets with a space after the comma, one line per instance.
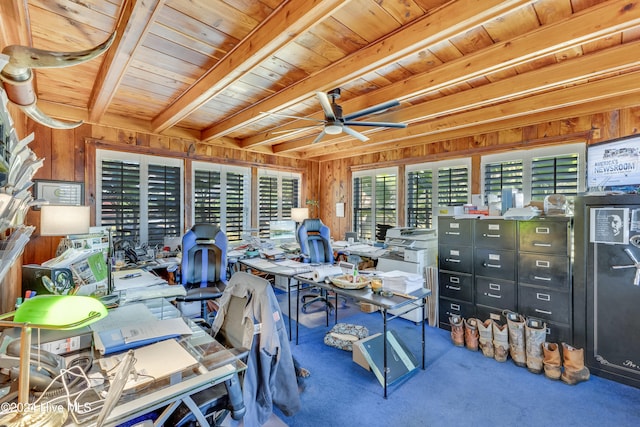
[299, 214]
[62, 220]
[60, 311]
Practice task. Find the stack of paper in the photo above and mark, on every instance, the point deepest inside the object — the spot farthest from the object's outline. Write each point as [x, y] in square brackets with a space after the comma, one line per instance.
[401, 281]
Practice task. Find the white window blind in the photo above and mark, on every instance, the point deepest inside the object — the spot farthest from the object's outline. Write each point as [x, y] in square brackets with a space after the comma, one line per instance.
[277, 194]
[420, 199]
[219, 197]
[140, 197]
[375, 206]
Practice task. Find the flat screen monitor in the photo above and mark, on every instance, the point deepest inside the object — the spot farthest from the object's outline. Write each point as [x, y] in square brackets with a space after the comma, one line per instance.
[282, 230]
[614, 165]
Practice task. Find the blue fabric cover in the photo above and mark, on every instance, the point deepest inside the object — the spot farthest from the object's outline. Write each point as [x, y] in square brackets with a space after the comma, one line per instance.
[204, 256]
[315, 241]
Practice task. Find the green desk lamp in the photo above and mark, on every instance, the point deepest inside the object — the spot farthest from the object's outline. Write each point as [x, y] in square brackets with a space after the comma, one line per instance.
[58, 312]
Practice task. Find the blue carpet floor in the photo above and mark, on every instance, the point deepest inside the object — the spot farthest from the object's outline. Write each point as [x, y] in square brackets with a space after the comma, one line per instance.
[458, 388]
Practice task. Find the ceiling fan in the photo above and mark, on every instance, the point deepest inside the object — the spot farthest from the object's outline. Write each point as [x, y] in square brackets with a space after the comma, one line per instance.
[335, 123]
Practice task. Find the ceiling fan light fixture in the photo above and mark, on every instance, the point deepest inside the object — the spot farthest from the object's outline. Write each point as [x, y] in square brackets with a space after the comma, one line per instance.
[333, 129]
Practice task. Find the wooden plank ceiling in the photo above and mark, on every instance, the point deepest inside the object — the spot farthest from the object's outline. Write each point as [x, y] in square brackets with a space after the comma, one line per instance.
[215, 70]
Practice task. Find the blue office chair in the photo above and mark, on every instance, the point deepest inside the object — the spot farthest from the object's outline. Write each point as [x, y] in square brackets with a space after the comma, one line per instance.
[204, 264]
[315, 247]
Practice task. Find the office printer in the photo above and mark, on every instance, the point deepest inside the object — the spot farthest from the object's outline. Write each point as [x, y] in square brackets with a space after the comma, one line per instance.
[412, 249]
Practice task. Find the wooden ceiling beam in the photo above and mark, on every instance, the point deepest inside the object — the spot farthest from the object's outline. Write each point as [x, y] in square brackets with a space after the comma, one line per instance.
[568, 102]
[587, 26]
[453, 19]
[287, 22]
[136, 18]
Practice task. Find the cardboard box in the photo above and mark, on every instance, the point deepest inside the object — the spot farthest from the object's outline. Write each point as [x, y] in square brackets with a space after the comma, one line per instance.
[358, 356]
[368, 308]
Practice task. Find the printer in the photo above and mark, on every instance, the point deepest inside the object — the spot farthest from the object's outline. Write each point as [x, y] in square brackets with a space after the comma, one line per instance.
[411, 249]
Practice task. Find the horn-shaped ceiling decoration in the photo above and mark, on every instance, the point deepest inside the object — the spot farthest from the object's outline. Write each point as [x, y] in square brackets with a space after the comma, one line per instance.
[17, 77]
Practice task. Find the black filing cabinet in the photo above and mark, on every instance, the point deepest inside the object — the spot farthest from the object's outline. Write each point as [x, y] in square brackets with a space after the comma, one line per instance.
[544, 274]
[455, 262]
[494, 267]
[489, 265]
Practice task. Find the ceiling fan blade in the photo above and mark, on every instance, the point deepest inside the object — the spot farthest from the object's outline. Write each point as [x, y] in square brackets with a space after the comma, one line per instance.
[326, 106]
[378, 124]
[319, 137]
[354, 133]
[371, 110]
[293, 117]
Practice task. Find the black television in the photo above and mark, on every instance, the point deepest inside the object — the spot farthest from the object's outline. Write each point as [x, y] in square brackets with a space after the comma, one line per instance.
[614, 166]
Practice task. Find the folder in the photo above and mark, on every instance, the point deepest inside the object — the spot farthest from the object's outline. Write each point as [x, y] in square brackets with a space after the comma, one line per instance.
[133, 336]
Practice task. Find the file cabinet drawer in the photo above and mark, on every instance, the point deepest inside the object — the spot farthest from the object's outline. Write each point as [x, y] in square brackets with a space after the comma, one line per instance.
[458, 258]
[544, 303]
[496, 293]
[499, 234]
[456, 286]
[455, 231]
[550, 237]
[495, 263]
[447, 307]
[544, 270]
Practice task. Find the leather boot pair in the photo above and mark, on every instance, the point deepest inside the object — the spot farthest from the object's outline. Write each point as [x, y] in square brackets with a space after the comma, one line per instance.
[500, 342]
[574, 369]
[471, 334]
[552, 360]
[515, 323]
[485, 341]
[535, 336]
[457, 330]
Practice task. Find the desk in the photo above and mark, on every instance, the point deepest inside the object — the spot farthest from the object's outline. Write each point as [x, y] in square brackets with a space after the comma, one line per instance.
[216, 365]
[287, 269]
[398, 304]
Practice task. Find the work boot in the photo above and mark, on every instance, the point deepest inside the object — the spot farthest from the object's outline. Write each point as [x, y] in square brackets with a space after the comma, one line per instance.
[515, 322]
[457, 330]
[552, 361]
[535, 334]
[574, 369]
[485, 331]
[500, 342]
[471, 333]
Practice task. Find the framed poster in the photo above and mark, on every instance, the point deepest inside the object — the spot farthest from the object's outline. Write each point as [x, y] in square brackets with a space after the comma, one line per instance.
[609, 225]
[60, 192]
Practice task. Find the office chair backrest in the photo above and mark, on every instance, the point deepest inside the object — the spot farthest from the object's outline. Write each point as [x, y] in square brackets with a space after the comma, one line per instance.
[315, 241]
[204, 256]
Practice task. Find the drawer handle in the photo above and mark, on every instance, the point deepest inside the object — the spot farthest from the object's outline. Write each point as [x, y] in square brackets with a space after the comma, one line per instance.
[544, 245]
[453, 233]
[454, 288]
[543, 263]
[454, 279]
[492, 265]
[489, 294]
[548, 279]
[452, 260]
[542, 230]
[492, 235]
[455, 307]
[543, 311]
[494, 286]
[543, 297]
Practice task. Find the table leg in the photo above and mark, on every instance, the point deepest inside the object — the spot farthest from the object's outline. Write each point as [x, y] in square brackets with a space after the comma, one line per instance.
[384, 350]
[289, 305]
[424, 314]
[297, 309]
